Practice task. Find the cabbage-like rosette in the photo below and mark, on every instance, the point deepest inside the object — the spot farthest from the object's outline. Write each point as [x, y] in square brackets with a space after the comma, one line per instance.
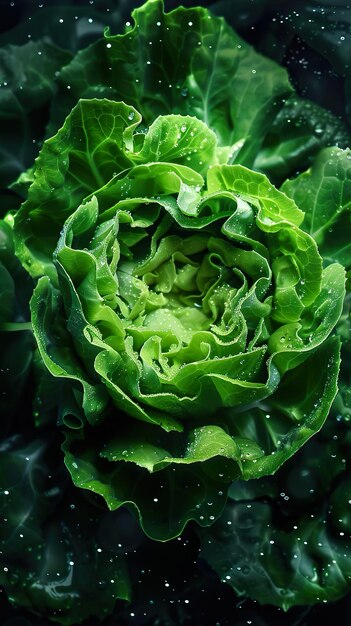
[193, 316]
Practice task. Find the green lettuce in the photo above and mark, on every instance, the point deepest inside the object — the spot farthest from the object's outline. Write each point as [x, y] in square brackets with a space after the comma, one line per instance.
[184, 303]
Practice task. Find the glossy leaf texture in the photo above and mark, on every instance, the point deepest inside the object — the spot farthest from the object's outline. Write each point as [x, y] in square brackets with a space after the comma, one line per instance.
[184, 303]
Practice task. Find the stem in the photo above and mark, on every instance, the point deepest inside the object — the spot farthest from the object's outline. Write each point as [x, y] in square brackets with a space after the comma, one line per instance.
[15, 326]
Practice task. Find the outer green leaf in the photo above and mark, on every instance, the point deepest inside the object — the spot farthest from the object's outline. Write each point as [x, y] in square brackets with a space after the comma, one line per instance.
[57, 350]
[7, 294]
[297, 410]
[328, 42]
[295, 131]
[204, 443]
[324, 194]
[164, 501]
[188, 62]
[88, 150]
